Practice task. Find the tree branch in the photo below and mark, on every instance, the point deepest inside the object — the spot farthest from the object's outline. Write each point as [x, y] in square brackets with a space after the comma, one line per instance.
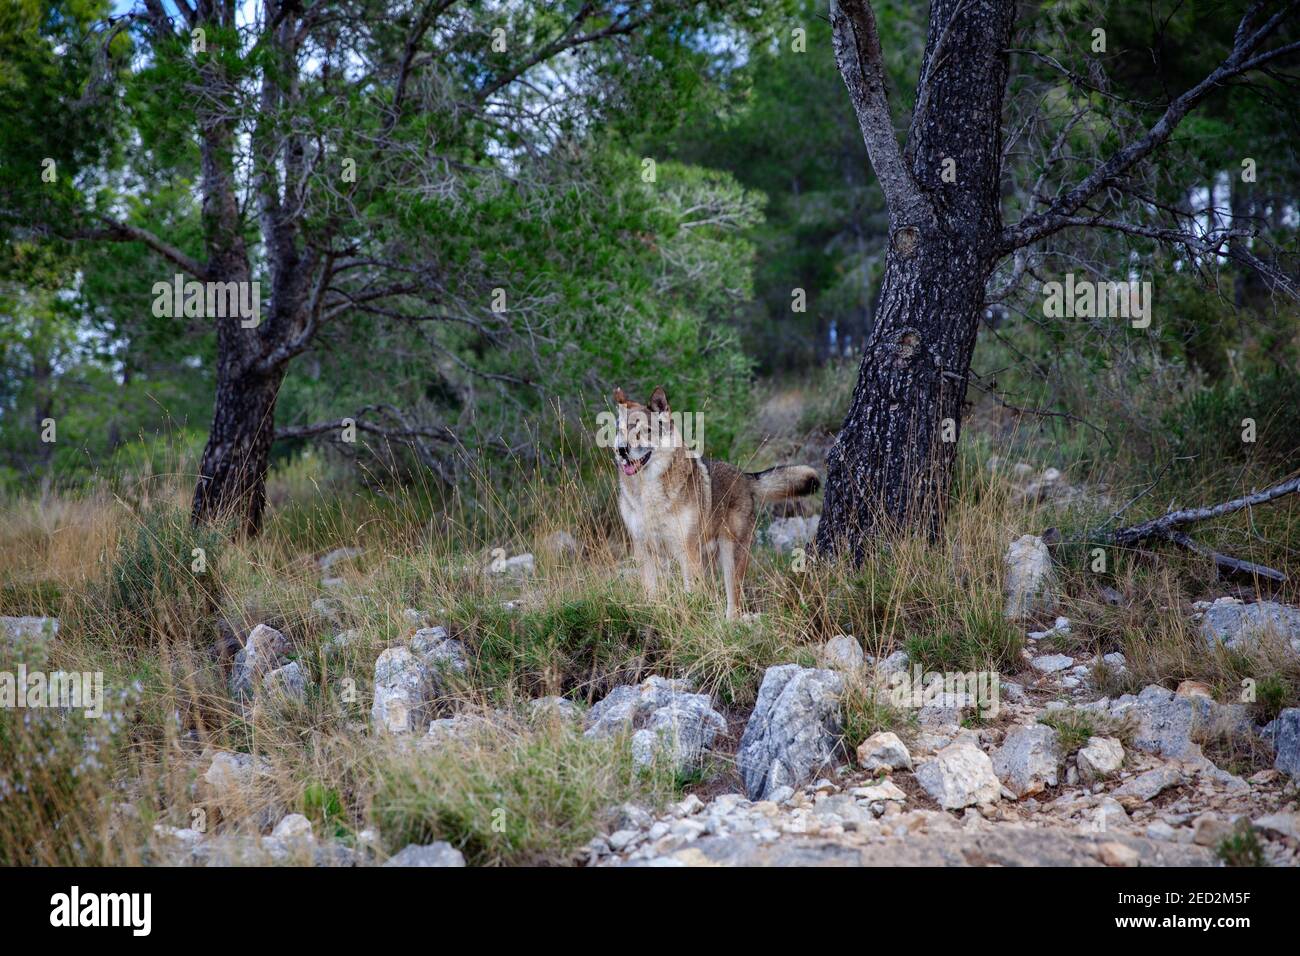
[857, 53]
[114, 231]
[406, 434]
[1168, 527]
[1061, 214]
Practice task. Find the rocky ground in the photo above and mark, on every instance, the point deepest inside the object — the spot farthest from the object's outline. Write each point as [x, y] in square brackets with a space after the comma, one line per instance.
[1035, 766]
[1124, 782]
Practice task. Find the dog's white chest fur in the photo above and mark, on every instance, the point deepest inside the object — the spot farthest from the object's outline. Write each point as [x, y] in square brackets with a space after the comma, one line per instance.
[651, 518]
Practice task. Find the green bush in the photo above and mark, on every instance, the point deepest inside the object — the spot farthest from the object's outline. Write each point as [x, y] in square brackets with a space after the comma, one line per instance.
[152, 583]
[590, 641]
[1210, 425]
[505, 798]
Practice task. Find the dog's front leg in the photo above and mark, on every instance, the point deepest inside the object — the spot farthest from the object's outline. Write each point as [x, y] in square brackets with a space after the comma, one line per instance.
[727, 558]
[691, 561]
[645, 560]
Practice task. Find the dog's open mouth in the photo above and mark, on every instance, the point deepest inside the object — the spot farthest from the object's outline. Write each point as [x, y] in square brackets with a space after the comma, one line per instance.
[631, 466]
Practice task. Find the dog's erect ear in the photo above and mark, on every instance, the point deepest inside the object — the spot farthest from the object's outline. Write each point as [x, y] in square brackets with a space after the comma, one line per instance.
[659, 400]
[620, 398]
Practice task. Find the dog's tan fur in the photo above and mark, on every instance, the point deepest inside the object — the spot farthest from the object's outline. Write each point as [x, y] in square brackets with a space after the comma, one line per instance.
[692, 509]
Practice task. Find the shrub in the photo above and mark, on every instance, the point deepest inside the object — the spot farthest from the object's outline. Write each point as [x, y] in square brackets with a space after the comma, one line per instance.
[511, 798]
[152, 586]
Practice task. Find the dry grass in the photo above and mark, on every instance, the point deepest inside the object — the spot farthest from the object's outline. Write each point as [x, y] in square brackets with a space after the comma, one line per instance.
[117, 571]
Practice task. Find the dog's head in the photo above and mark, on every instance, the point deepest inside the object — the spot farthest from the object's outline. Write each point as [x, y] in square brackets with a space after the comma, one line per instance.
[642, 430]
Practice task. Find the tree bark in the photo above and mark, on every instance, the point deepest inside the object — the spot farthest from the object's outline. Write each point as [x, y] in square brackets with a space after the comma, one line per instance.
[891, 464]
[232, 474]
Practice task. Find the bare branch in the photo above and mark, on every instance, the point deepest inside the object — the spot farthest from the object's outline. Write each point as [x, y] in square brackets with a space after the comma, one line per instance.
[1168, 527]
[115, 231]
[1062, 212]
[861, 64]
[405, 433]
[1226, 562]
[1163, 526]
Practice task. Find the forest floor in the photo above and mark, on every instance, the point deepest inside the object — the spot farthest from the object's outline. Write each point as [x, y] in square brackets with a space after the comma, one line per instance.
[373, 687]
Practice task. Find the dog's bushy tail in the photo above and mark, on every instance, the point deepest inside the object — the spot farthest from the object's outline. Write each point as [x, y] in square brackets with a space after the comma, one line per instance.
[784, 481]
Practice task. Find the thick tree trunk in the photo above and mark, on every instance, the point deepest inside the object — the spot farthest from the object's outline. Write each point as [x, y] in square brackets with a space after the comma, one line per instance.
[232, 475]
[891, 464]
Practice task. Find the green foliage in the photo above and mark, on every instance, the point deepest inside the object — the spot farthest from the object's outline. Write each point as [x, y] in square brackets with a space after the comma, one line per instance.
[1211, 425]
[1075, 726]
[323, 805]
[1242, 848]
[976, 638]
[150, 589]
[515, 799]
[585, 643]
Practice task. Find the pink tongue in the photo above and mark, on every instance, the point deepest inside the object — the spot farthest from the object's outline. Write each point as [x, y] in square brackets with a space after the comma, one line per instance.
[629, 469]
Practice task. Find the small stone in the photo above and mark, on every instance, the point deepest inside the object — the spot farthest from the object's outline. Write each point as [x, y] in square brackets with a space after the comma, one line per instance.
[1029, 759]
[1210, 830]
[793, 731]
[1102, 757]
[1147, 786]
[235, 781]
[287, 683]
[884, 751]
[690, 804]
[459, 727]
[1282, 824]
[293, 828]
[521, 565]
[843, 652]
[895, 663]
[343, 640]
[1117, 854]
[182, 836]
[782, 795]
[1052, 663]
[1159, 830]
[1286, 742]
[1030, 578]
[1236, 624]
[438, 854]
[262, 652]
[403, 692]
[885, 790]
[959, 776]
[547, 707]
[620, 840]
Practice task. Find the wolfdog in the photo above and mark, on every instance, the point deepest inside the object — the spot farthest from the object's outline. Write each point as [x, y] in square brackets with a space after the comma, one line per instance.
[674, 502]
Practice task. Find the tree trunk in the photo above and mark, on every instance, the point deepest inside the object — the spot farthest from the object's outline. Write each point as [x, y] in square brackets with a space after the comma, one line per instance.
[232, 475]
[891, 464]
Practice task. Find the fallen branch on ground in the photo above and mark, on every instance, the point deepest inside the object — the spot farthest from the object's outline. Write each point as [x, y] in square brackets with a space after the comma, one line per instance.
[1168, 527]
